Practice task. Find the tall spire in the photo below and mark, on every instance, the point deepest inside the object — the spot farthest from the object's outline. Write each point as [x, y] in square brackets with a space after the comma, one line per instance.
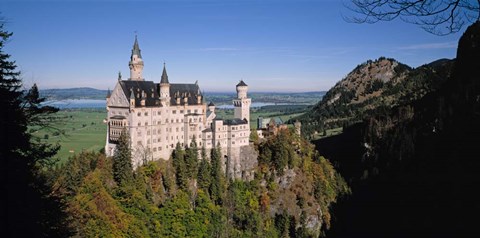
[136, 48]
[164, 75]
[136, 63]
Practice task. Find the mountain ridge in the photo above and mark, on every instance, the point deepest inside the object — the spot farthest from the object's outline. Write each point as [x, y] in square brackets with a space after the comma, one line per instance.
[374, 85]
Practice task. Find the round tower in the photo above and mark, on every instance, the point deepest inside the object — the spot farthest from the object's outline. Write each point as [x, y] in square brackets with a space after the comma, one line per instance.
[136, 63]
[242, 103]
[242, 89]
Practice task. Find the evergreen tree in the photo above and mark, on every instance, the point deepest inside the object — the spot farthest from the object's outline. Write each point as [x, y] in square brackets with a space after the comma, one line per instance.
[217, 187]
[122, 160]
[29, 206]
[191, 159]
[204, 173]
[178, 161]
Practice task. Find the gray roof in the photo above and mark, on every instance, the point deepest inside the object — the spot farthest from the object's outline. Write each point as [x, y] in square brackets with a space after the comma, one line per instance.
[235, 121]
[242, 83]
[211, 104]
[262, 122]
[164, 75]
[136, 49]
[149, 91]
[191, 91]
[139, 90]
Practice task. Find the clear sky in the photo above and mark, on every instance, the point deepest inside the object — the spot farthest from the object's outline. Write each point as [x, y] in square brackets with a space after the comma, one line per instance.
[274, 45]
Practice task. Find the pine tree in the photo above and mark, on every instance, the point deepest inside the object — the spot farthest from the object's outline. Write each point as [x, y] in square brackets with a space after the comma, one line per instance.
[217, 187]
[204, 172]
[122, 160]
[191, 159]
[29, 206]
[178, 161]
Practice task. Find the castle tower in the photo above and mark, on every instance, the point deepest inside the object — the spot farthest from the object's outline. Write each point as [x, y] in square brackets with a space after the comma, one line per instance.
[136, 63]
[242, 103]
[164, 88]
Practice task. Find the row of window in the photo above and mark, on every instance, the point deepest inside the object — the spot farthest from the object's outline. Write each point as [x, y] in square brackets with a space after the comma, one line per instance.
[172, 121]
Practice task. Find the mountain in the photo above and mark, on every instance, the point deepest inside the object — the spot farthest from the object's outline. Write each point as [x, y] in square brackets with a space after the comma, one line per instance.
[73, 93]
[413, 168]
[374, 86]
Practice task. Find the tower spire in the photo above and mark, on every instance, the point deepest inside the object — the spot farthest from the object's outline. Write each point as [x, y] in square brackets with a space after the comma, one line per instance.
[164, 75]
[136, 49]
[136, 62]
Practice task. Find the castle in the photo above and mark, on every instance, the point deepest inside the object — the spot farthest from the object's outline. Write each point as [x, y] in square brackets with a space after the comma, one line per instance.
[157, 116]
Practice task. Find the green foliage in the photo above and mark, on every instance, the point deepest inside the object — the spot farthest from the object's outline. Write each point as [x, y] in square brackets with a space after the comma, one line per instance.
[122, 160]
[217, 186]
[204, 174]
[191, 160]
[180, 166]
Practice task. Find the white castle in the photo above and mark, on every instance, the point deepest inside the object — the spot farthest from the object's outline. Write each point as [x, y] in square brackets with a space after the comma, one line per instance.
[157, 116]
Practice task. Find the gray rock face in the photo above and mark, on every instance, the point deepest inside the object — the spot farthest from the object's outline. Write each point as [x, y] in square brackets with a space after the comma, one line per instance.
[241, 162]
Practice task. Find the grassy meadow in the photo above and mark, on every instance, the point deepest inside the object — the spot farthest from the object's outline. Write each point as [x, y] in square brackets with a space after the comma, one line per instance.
[76, 130]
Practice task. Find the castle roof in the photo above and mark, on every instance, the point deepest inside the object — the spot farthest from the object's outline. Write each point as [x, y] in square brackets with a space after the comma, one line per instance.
[182, 90]
[149, 91]
[235, 121]
[136, 49]
[211, 104]
[241, 83]
[139, 90]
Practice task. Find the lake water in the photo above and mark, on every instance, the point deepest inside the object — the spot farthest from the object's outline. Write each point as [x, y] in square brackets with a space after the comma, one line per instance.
[77, 103]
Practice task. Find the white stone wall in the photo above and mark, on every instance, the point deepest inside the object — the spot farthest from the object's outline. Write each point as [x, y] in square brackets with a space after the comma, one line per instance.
[155, 131]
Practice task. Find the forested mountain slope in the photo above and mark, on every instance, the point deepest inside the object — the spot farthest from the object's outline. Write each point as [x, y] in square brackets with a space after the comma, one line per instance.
[414, 169]
[374, 86]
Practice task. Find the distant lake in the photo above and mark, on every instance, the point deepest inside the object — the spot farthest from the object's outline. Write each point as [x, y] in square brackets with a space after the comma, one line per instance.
[77, 103]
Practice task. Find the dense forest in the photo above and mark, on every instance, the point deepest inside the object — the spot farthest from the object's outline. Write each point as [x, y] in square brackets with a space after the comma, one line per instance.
[190, 196]
[413, 170]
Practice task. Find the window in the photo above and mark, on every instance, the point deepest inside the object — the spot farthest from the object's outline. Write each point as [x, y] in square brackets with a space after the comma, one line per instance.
[195, 110]
[181, 111]
[139, 124]
[146, 123]
[139, 114]
[174, 111]
[146, 114]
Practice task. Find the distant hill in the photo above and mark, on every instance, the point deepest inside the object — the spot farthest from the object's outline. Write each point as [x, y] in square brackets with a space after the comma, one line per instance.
[73, 93]
[217, 97]
[374, 86]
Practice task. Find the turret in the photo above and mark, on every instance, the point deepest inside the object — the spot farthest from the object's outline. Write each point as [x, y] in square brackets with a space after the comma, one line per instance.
[242, 89]
[132, 99]
[136, 63]
[242, 103]
[211, 107]
[164, 87]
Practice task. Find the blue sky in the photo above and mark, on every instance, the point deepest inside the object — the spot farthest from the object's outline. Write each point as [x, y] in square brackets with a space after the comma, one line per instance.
[274, 45]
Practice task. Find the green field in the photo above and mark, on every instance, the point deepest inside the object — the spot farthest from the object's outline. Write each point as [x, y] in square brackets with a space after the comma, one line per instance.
[77, 130]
